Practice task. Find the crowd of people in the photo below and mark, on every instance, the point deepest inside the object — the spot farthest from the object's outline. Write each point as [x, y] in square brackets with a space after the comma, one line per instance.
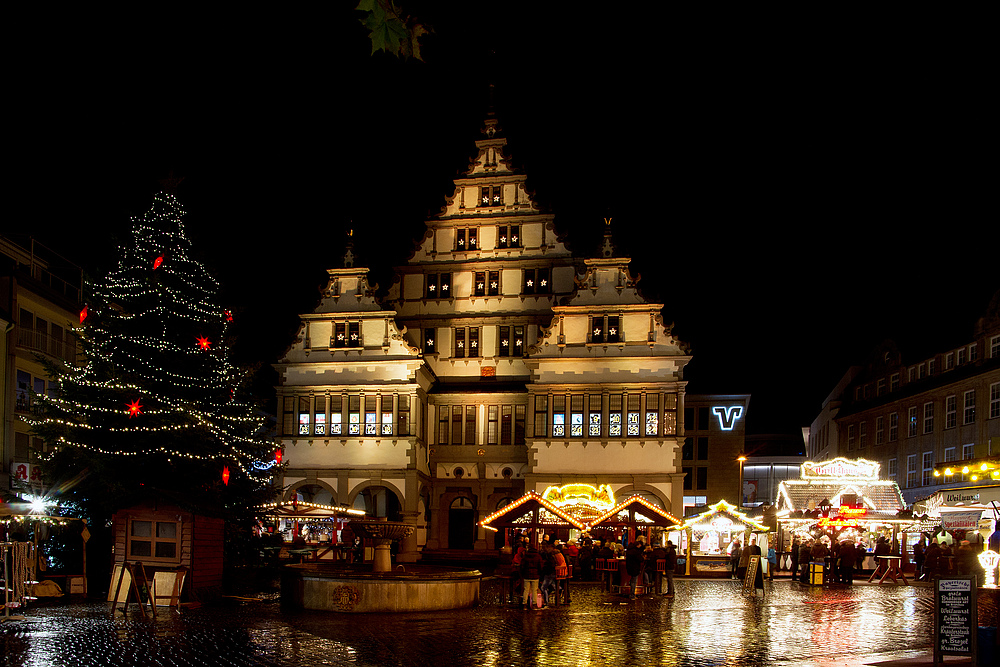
[537, 567]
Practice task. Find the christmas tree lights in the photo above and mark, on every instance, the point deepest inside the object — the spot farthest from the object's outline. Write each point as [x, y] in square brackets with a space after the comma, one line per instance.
[153, 404]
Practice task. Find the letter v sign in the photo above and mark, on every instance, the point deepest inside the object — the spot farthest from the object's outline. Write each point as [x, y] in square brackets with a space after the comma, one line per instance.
[728, 416]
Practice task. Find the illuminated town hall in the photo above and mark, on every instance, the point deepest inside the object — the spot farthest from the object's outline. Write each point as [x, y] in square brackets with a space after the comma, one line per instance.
[497, 363]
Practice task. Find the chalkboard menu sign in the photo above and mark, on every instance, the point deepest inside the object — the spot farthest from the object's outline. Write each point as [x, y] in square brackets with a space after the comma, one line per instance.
[955, 621]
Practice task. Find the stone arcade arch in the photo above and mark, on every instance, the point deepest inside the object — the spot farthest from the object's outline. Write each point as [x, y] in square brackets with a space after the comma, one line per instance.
[378, 499]
[312, 491]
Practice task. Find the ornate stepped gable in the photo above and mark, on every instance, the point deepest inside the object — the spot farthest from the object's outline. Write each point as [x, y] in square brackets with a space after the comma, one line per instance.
[485, 275]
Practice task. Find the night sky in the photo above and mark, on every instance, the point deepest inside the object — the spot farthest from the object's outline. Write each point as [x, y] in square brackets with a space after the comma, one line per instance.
[794, 191]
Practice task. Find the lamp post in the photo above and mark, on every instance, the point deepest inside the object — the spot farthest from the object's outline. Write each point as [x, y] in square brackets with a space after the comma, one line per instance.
[739, 492]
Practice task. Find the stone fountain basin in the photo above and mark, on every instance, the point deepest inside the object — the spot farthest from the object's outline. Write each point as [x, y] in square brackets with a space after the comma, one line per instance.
[353, 589]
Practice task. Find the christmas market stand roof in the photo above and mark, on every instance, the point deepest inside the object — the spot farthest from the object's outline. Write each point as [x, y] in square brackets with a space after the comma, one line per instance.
[305, 511]
[636, 512]
[832, 482]
[531, 511]
[723, 509]
[24, 513]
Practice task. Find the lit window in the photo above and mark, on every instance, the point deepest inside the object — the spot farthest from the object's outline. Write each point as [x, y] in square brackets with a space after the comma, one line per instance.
[576, 416]
[320, 410]
[615, 415]
[633, 414]
[438, 286]
[336, 405]
[466, 239]
[558, 416]
[509, 236]
[536, 281]
[652, 414]
[429, 341]
[490, 195]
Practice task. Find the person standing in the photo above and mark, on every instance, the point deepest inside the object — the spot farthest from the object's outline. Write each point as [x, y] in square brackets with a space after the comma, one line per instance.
[805, 552]
[531, 569]
[918, 555]
[669, 565]
[633, 565]
[735, 553]
[848, 557]
[772, 561]
[795, 556]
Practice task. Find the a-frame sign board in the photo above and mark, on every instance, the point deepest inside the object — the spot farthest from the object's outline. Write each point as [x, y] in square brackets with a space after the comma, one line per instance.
[125, 582]
[750, 582]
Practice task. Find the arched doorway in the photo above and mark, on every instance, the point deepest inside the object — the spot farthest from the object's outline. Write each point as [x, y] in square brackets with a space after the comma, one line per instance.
[461, 524]
[378, 501]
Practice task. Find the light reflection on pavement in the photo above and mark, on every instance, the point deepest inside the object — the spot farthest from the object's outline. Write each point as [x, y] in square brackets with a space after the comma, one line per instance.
[708, 623]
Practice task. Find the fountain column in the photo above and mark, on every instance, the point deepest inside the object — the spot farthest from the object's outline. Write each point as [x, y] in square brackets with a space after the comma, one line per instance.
[408, 545]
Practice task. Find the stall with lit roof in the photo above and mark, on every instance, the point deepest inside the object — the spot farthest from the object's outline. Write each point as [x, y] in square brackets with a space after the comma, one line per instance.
[843, 499]
[706, 538]
[634, 515]
[533, 515]
[321, 526]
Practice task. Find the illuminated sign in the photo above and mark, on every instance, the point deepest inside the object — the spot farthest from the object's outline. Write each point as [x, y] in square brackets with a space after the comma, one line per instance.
[597, 496]
[853, 511]
[728, 416]
[722, 524]
[841, 468]
[839, 522]
[989, 559]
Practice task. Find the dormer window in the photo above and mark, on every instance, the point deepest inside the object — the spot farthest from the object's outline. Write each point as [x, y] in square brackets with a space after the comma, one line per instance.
[491, 195]
[509, 236]
[438, 286]
[536, 281]
[467, 239]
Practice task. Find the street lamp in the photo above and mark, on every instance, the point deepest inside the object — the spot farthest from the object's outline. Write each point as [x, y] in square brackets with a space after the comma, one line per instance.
[742, 459]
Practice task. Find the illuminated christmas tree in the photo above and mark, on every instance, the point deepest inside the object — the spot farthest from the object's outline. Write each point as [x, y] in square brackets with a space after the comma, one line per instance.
[154, 407]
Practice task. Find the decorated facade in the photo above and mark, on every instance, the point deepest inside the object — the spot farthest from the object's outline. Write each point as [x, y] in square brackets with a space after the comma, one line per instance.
[498, 364]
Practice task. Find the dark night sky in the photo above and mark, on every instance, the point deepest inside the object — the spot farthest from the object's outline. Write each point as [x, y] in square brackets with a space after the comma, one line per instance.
[793, 190]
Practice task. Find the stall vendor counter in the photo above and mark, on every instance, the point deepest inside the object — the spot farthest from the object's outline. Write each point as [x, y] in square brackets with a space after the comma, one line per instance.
[710, 565]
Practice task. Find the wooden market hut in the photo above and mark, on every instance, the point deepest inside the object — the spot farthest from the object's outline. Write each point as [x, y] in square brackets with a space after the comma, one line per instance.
[530, 513]
[166, 538]
[632, 515]
[709, 533]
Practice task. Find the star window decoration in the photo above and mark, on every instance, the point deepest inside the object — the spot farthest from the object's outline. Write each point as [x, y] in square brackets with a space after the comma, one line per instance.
[354, 336]
[430, 341]
[486, 200]
[517, 342]
[544, 282]
[612, 331]
[461, 242]
[530, 282]
[513, 238]
[496, 198]
[474, 343]
[444, 288]
[340, 336]
[503, 238]
[461, 344]
[504, 342]
[493, 284]
[479, 285]
[431, 288]
[597, 331]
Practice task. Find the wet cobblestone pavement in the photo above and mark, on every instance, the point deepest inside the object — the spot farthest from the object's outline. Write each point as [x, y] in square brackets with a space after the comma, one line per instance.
[708, 623]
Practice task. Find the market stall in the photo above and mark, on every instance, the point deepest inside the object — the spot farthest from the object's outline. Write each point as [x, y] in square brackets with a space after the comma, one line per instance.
[318, 530]
[532, 515]
[707, 537]
[843, 499]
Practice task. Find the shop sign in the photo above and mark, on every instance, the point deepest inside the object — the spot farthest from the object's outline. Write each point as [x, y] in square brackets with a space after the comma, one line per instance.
[722, 524]
[25, 472]
[838, 522]
[728, 416]
[841, 468]
[961, 520]
[961, 497]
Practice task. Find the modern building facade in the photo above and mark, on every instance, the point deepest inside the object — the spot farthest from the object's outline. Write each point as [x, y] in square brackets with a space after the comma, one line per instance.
[497, 363]
[926, 421]
[40, 298]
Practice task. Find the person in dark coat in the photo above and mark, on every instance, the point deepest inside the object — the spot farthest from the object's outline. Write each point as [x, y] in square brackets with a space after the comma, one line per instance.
[633, 564]
[734, 558]
[918, 554]
[967, 561]
[932, 561]
[669, 565]
[795, 556]
[805, 553]
[848, 557]
[531, 570]
[586, 558]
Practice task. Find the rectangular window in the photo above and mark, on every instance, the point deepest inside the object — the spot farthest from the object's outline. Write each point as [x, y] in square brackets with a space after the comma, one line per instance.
[509, 236]
[576, 415]
[470, 424]
[479, 283]
[536, 281]
[304, 415]
[429, 341]
[994, 347]
[688, 482]
[456, 424]
[911, 471]
[702, 478]
[320, 409]
[459, 352]
[702, 448]
[879, 431]
[541, 416]
[894, 427]
[633, 414]
[473, 341]
[950, 412]
[558, 416]
[354, 415]
[968, 451]
[615, 415]
[597, 329]
[492, 424]
[336, 420]
[949, 361]
[652, 414]
[510, 342]
[862, 435]
[928, 417]
[614, 329]
[506, 423]
[289, 418]
[519, 424]
[892, 469]
[961, 356]
[995, 400]
[403, 415]
[493, 286]
[154, 540]
[949, 456]
[973, 352]
[491, 195]
[894, 382]
[669, 414]
[687, 450]
[438, 286]
[969, 416]
[880, 387]
[911, 429]
[851, 437]
[466, 239]
[444, 417]
[594, 416]
[371, 415]
[928, 476]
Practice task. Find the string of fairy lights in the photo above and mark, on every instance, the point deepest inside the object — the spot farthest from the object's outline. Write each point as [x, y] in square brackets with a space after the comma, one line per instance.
[154, 320]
